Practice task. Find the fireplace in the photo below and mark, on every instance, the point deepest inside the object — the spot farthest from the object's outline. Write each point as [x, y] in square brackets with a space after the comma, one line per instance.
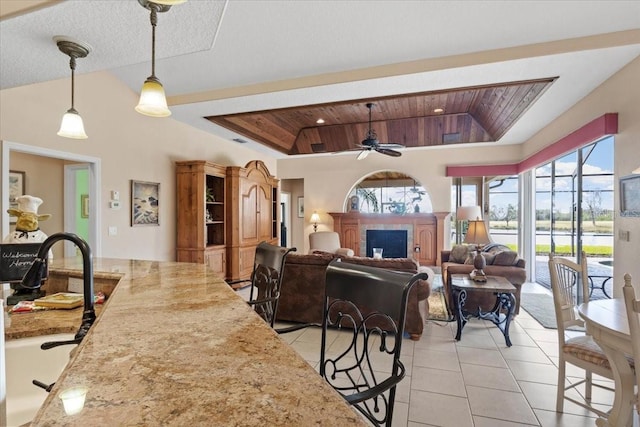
[392, 242]
[427, 233]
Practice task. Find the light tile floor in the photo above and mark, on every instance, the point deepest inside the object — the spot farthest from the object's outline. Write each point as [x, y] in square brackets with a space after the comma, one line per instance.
[478, 381]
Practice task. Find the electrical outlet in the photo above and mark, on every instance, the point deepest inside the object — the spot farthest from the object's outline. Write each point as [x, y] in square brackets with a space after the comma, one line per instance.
[113, 231]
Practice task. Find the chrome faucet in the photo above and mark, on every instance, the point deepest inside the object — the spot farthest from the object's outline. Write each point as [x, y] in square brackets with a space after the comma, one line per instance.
[33, 279]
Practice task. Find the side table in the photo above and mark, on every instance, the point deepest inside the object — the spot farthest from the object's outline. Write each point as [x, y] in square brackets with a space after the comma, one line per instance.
[461, 284]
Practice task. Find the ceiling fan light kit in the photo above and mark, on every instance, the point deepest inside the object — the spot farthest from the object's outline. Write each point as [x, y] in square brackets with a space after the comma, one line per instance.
[153, 101]
[72, 125]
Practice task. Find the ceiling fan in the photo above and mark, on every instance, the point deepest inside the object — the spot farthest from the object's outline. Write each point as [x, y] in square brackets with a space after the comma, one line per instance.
[371, 143]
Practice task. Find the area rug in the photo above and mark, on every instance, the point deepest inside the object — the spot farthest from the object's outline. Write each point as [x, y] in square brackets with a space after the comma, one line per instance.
[540, 307]
[437, 304]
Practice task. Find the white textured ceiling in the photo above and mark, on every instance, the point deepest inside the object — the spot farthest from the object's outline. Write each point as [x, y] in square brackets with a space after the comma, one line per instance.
[262, 41]
[119, 32]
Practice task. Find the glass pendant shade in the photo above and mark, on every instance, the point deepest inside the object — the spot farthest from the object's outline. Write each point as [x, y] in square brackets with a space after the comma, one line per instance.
[152, 99]
[72, 125]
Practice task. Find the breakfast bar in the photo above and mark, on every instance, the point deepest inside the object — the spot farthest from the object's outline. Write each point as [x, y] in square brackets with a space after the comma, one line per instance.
[175, 345]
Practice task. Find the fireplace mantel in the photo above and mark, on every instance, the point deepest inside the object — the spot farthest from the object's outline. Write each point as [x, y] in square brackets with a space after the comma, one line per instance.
[427, 231]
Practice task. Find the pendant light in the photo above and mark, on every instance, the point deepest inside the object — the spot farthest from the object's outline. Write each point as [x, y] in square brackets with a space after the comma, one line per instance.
[72, 126]
[152, 98]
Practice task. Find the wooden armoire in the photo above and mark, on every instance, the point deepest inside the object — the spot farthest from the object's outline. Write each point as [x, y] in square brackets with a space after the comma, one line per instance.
[252, 215]
[223, 213]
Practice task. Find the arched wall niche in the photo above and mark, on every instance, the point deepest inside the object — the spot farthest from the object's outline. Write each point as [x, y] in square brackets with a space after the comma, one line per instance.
[388, 192]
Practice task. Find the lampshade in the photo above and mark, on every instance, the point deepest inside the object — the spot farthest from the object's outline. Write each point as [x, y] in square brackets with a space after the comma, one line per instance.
[477, 233]
[152, 99]
[315, 219]
[72, 125]
[468, 213]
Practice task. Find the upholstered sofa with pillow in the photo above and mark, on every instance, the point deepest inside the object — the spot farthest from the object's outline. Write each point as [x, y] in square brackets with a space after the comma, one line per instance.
[501, 261]
[303, 283]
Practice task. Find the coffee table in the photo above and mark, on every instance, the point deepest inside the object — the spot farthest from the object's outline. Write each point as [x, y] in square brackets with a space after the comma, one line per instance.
[461, 285]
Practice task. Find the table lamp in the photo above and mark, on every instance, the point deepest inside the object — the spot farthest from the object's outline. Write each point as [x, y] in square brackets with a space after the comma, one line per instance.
[478, 235]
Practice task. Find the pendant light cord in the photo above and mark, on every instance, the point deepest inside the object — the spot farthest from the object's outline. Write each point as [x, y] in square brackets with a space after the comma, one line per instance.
[72, 64]
[154, 22]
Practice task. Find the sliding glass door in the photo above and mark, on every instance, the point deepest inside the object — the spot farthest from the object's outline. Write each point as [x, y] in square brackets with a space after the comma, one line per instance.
[574, 211]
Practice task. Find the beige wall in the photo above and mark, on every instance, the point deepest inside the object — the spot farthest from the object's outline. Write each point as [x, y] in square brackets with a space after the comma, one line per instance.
[130, 146]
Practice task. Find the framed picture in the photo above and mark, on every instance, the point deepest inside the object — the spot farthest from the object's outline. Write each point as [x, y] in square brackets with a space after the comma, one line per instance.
[300, 207]
[84, 206]
[144, 203]
[630, 196]
[16, 189]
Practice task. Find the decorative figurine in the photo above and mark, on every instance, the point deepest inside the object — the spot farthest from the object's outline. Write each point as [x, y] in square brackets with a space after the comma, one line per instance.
[27, 225]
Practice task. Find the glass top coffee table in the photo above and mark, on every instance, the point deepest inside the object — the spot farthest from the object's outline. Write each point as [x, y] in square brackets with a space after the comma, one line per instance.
[501, 313]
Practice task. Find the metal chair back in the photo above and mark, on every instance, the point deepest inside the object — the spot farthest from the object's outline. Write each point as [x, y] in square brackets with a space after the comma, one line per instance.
[362, 360]
[266, 280]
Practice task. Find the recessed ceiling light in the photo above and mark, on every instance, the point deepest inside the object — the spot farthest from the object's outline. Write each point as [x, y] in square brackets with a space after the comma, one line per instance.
[320, 121]
[438, 110]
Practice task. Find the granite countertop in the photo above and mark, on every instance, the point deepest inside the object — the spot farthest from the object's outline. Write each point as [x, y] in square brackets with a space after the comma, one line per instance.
[174, 345]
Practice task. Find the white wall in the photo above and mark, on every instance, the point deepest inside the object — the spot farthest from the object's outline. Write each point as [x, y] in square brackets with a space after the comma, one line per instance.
[131, 147]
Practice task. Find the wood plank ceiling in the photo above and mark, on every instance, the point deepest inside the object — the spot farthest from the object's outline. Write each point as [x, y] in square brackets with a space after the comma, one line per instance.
[472, 114]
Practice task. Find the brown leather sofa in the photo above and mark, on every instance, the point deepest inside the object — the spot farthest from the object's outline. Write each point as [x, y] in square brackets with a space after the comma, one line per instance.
[501, 261]
[303, 283]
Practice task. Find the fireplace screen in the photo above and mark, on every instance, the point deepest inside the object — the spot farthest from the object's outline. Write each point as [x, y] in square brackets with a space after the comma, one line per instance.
[393, 243]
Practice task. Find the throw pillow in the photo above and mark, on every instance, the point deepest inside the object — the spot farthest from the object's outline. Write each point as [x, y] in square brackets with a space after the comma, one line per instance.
[470, 257]
[488, 257]
[459, 254]
[505, 258]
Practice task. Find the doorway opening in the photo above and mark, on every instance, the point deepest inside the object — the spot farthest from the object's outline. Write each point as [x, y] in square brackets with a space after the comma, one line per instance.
[93, 171]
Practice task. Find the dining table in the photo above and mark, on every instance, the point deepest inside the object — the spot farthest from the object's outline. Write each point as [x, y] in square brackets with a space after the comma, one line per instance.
[606, 321]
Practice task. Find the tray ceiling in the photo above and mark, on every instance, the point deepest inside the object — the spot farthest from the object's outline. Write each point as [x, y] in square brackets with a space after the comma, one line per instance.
[465, 115]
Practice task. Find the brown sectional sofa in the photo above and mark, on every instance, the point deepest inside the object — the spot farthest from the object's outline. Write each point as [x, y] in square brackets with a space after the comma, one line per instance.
[507, 264]
[303, 283]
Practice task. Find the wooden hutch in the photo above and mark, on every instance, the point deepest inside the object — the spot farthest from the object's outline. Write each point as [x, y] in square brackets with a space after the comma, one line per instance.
[223, 213]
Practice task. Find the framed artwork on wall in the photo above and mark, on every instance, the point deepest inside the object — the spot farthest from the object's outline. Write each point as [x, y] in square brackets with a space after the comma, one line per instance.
[144, 203]
[84, 206]
[16, 189]
[300, 207]
[630, 196]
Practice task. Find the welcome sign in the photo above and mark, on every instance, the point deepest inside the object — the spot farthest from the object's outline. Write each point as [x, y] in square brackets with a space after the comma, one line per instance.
[15, 260]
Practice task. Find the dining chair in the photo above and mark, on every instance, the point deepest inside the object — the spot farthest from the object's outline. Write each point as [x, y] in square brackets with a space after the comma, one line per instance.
[568, 279]
[368, 305]
[633, 315]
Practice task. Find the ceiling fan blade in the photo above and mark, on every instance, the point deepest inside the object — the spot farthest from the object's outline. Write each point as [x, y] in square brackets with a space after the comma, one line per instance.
[389, 152]
[390, 145]
[363, 154]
